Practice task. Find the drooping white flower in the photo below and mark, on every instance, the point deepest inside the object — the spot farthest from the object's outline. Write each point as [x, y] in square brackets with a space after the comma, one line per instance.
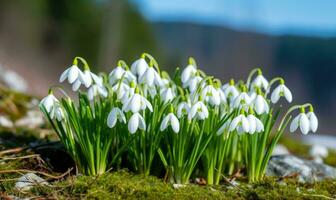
[150, 77]
[139, 67]
[280, 91]
[59, 112]
[240, 124]
[87, 78]
[121, 89]
[136, 122]
[230, 90]
[170, 120]
[242, 99]
[198, 110]
[167, 94]
[114, 115]
[313, 121]
[188, 73]
[192, 83]
[211, 95]
[255, 125]
[301, 121]
[260, 105]
[260, 81]
[96, 90]
[183, 109]
[119, 72]
[48, 102]
[221, 95]
[72, 74]
[137, 103]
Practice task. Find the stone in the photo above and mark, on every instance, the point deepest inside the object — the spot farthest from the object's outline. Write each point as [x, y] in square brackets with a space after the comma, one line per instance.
[27, 181]
[6, 122]
[304, 170]
[318, 152]
[280, 150]
[33, 119]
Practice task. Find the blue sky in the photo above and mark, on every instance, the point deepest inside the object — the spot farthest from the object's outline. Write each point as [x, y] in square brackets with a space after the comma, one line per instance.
[301, 17]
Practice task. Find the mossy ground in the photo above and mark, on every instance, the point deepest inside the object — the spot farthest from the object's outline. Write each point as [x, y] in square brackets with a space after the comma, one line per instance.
[127, 185]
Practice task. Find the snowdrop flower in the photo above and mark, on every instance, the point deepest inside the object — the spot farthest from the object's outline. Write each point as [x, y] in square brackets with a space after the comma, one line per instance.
[96, 90]
[198, 110]
[301, 121]
[221, 95]
[260, 81]
[137, 103]
[136, 122]
[188, 72]
[183, 109]
[230, 90]
[255, 125]
[170, 120]
[121, 89]
[59, 112]
[150, 77]
[211, 95]
[117, 73]
[72, 74]
[139, 67]
[279, 91]
[193, 83]
[114, 115]
[313, 121]
[49, 101]
[240, 124]
[87, 78]
[260, 105]
[167, 94]
[242, 99]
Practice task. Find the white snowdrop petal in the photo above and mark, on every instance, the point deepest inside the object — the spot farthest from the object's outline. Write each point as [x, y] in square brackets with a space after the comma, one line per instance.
[313, 121]
[73, 74]
[252, 124]
[175, 123]
[64, 75]
[234, 123]
[275, 95]
[294, 124]
[133, 123]
[287, 94]
[76, 85]
[304, 124]
[112, 119]
[245, 124]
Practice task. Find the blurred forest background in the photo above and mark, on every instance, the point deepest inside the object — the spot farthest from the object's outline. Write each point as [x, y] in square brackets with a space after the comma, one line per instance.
[39, 38]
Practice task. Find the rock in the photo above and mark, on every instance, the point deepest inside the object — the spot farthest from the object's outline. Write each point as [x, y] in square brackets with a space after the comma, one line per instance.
[13, 80]
[305, 170]
[280, 150]
[5, 122]
[27, 181]
[33, 119]
[318, 152]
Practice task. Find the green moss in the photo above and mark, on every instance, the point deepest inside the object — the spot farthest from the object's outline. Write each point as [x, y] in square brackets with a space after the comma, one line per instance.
[126, 185]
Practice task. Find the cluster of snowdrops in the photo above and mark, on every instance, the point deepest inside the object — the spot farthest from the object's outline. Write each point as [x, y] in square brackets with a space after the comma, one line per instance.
[185, 125]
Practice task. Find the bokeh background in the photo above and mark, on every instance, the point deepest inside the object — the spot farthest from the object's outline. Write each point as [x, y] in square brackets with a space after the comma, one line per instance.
[293, 39]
